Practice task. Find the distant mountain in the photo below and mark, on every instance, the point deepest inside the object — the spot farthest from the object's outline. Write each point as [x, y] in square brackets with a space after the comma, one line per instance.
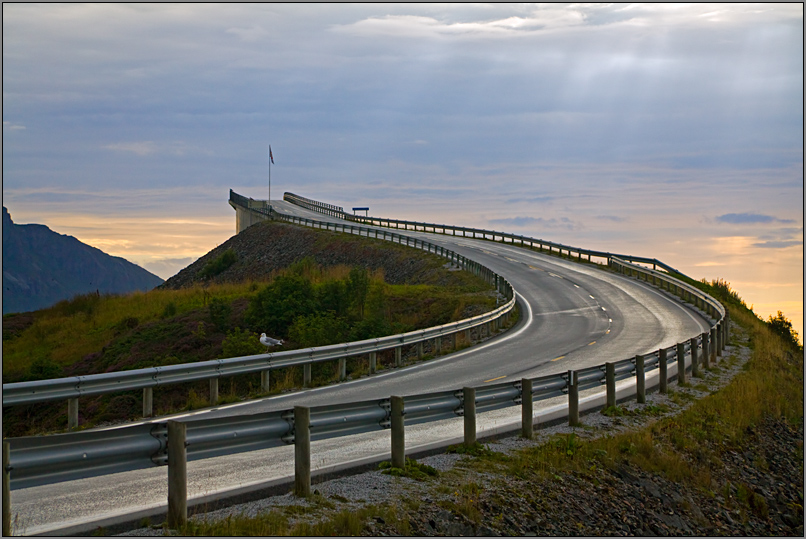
[42, 267]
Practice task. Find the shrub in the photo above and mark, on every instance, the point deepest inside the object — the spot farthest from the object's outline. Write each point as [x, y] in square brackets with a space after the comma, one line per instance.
[318, 329]
[274, 308]
[241, 343]
[780, 325]
[220, 312]
[44, 368]
[218, 264]
[170, 310]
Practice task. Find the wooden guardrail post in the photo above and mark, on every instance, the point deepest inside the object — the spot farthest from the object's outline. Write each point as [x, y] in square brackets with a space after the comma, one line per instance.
[6, 489]
[302, 451]
[265, 381]
[306, 375]
[398, 433]
[148, 401]
[695, 364]
[681, 363]
[527, 409]
[713, 345]
[213, 391]
[72, 413]
[469, 404]
[177, 475]
[610, 384]
[573, 399]
[706, 356]
[663, 371]
[373, 362]
[640, 379]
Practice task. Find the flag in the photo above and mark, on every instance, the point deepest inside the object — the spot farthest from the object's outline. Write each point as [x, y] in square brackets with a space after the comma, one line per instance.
[270, 155]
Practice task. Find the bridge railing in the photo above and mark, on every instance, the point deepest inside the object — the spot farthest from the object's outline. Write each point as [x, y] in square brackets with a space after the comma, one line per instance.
[476, 233]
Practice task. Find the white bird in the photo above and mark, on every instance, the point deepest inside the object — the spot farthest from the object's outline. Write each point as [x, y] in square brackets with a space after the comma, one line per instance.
[268, 342]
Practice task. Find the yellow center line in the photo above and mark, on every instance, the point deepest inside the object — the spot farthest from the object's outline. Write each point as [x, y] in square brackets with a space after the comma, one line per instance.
[494, 379]
[590, 343]
[556, 359]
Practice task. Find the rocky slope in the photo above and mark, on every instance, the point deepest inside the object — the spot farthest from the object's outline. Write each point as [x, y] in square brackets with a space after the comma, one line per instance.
[42, 267]
[267, 247]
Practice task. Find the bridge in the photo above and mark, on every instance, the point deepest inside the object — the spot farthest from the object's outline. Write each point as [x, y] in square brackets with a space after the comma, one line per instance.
[580, 311]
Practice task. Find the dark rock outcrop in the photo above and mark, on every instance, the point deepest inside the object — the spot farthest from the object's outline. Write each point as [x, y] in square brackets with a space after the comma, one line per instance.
[42, 267]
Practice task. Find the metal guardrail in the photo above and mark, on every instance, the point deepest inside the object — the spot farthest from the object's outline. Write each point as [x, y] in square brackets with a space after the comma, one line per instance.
[41, 460]
[468, 232]
[97, 384]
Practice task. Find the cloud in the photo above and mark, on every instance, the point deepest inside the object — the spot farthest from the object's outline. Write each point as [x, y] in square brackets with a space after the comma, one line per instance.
[521, 222]
[167, 267]
[778, 244]
[12, 127]
[149, 147]
[750, 219]
[612, 218]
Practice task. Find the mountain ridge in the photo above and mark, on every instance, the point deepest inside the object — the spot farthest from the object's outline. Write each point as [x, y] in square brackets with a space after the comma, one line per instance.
[42, 267]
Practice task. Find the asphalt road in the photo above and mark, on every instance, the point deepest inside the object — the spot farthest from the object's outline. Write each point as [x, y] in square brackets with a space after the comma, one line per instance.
[572, 316]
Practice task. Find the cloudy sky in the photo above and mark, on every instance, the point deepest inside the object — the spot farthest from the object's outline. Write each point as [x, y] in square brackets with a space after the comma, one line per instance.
[672, 131]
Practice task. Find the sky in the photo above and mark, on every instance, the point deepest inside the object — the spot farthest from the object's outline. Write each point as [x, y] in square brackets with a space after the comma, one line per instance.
[673, 131]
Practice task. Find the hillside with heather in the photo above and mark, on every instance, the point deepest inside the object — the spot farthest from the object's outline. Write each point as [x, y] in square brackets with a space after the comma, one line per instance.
[307, 287]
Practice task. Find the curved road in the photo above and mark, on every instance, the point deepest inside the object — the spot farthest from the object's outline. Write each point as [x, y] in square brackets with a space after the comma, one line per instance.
[572, 316]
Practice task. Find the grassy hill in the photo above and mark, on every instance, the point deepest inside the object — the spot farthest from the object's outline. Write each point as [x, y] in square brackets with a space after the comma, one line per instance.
[290, 282]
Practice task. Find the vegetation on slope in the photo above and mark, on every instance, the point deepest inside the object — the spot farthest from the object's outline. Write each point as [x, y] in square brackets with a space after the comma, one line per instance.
[201, 316]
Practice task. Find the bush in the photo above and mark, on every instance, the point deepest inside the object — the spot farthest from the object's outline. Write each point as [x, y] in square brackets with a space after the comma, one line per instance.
[239, 343]
[220, 312]
[218, 264]
[274, 308]
[44, 368]
[170, 310]
[318, 329]
[780, 325]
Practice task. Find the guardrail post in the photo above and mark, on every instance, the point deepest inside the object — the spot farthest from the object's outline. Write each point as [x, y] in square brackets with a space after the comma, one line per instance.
[453, 340]
[373, 362]
[398, 356]
[468, 337]
[420, 350]
[469, 404]
[398, 434]
[265, 381]
[438, 346]
[681, 363]
[662, 367]
[72, 413]
[213, 391]
[342, 369]
[706, 356]
[527, 409]
[306, 375]
[726, 338]
[302, 451]
[177, 475]
[695, 364]
[719, 345]
[640, 379]
[573, 399]
[6, 489]
[148, 401]
[713, 345]
[610, 383]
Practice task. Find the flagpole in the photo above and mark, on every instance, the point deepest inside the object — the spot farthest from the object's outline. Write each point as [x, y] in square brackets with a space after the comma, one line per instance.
[269, 201]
